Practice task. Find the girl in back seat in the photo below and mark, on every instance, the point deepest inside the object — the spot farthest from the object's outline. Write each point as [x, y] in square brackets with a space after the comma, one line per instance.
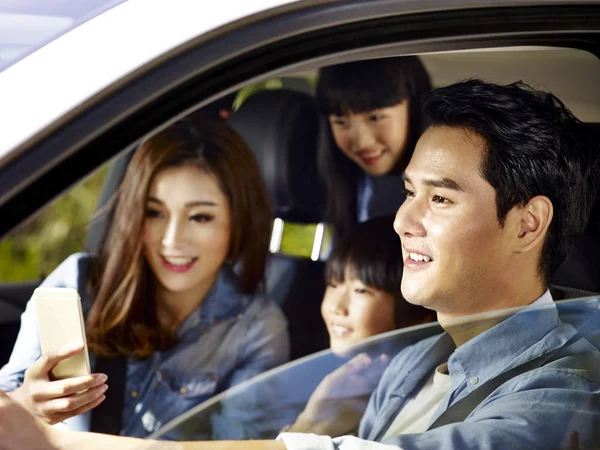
[373, 110]
[162, 296]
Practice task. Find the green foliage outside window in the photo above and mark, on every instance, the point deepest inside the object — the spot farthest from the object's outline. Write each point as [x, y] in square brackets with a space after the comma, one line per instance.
[59, 230]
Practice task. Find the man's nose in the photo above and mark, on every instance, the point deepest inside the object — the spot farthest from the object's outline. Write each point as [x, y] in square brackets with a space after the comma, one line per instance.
[409, 218]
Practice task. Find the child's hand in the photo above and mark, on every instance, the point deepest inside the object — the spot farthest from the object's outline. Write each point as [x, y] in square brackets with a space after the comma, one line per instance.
[338, 403]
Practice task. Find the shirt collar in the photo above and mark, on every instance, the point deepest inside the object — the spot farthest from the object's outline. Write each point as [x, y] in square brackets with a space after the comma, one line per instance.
[224, 300]
[513, 341]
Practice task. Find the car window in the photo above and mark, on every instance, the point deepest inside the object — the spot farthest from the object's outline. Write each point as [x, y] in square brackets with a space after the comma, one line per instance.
[41, 244]
[284, 392]
[262, 407]
[266, 404]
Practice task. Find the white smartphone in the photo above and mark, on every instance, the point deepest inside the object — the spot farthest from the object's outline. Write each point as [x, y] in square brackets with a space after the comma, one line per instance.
[60, 322]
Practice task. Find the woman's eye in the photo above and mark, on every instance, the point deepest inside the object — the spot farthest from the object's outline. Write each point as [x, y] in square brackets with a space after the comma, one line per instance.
[332, 284]
[153, 213]
[339, 122]
[201, 218]
[376, 117]
[439, 199]
[409, 193]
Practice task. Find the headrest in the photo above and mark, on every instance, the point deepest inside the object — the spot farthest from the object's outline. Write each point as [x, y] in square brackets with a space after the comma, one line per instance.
[579, 275]
[281, 127]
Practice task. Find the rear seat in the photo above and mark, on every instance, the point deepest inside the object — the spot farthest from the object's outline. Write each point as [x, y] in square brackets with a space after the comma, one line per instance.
[579, 275]
[281, 127]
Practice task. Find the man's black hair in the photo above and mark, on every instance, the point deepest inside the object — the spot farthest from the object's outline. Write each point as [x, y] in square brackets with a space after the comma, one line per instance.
[534, 148]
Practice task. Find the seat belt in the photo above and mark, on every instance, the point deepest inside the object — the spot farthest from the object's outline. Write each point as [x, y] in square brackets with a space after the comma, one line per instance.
[107, 417]
[459, 411]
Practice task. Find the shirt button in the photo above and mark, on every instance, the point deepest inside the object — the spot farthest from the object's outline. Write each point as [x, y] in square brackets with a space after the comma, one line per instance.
[183, 390]
[134, 394]
[474, 380]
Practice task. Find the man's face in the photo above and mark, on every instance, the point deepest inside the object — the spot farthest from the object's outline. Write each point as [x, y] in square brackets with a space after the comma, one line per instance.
[453, 246]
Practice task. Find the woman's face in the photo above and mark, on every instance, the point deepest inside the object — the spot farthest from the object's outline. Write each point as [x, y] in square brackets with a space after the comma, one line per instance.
[353, 311]
[187, 229]
[374, 140]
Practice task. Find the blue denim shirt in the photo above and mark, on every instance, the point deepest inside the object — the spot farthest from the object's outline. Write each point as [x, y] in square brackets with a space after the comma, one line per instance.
[536, 410]
[229, 338]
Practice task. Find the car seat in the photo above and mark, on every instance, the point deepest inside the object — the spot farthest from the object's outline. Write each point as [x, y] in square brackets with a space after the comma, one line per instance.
[281, 127]
[579, 275]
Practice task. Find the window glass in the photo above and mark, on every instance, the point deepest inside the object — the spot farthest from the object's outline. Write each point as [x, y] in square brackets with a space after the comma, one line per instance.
[40, 245]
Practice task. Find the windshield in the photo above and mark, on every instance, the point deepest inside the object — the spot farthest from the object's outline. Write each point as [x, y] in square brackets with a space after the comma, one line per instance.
[270, 403]
[27, 25]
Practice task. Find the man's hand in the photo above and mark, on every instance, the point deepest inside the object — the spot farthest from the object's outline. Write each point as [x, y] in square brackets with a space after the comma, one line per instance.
[19, 429]
[56, 401]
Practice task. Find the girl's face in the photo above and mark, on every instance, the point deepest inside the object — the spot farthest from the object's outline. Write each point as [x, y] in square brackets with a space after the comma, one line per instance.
[353, 311]
[187, 229]
[375, 140]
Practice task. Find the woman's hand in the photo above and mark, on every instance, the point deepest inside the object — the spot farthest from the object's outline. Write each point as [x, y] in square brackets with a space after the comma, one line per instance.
[338, 403]
[56, 401]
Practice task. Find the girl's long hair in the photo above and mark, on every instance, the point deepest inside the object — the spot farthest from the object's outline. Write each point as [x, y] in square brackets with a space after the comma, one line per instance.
[361, 86]
[122, 320]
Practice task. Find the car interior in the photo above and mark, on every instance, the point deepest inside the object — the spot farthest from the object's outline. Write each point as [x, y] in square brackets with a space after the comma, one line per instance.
[282, 126]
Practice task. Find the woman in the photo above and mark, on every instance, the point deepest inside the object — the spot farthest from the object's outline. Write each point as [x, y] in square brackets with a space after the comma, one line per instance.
[162, 293]
[373, 111]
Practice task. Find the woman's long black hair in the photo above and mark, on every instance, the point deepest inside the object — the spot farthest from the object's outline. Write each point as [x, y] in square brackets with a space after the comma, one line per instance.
[361, 86]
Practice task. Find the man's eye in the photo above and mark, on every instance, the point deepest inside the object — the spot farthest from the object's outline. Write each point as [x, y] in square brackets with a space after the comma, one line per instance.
[409, 193]
[439, 199]
[153, 213]
[201, 218]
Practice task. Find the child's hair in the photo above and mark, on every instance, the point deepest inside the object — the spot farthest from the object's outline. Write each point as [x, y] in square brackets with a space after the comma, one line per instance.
[362, 86]
[372, 253]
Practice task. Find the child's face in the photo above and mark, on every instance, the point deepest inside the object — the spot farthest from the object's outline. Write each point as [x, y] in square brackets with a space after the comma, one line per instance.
[353, 311]
[374, 140]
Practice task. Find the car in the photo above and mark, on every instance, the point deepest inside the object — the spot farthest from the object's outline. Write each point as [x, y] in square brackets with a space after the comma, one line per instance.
[100, 79]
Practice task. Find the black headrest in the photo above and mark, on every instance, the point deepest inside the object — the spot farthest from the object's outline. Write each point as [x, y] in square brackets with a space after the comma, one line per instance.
[281, 127]
[579, 275]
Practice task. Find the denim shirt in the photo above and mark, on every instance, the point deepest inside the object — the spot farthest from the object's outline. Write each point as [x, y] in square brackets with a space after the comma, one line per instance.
[535, 410]
[229, 338]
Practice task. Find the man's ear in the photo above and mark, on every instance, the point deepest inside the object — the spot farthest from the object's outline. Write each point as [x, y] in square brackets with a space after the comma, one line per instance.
[535, 218]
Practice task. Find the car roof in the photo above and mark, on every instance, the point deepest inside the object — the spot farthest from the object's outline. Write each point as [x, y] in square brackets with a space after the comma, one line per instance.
[61, 75]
